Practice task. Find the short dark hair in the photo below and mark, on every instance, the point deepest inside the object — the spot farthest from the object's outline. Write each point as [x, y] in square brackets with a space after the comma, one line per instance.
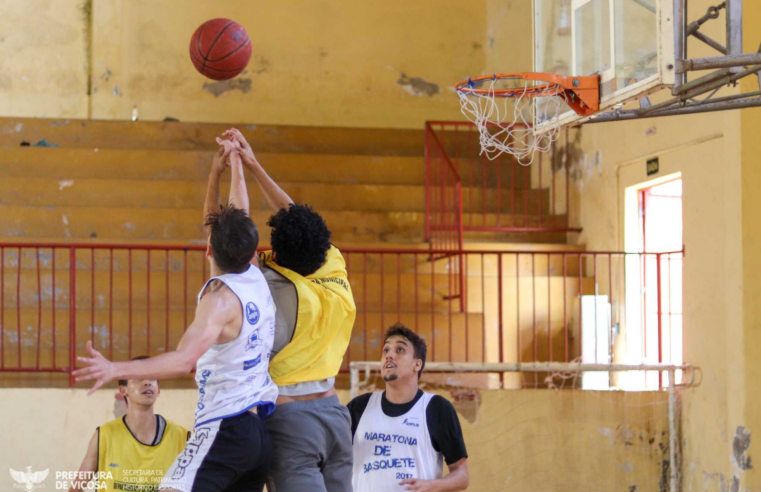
[300, 239]
[234, 239]
[123, 382]
[419, 348]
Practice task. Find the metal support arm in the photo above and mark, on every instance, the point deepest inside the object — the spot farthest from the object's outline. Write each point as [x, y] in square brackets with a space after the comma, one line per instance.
[683, 66]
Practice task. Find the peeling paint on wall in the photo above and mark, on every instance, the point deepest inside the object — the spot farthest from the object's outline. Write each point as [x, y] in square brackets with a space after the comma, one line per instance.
[740, 446]
[219, 88]
[723, 483]
[10, 128]
[467, 402]
[417, 86]
[609, 434]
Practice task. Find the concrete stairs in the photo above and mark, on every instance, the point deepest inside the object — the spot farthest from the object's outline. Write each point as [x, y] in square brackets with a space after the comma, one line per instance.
[144, 183]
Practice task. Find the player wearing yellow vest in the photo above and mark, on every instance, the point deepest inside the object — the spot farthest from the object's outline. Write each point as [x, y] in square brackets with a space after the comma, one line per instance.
[134, 452]
[310, 429]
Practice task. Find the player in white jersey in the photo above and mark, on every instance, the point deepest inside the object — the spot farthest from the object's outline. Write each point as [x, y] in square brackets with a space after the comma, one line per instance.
[229, 343]
[401, 436]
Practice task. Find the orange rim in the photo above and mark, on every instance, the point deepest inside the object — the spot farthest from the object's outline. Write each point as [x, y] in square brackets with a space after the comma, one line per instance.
[586, 88]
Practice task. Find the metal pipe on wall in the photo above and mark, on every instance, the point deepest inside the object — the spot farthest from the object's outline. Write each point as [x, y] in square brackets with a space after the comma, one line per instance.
[680, 40]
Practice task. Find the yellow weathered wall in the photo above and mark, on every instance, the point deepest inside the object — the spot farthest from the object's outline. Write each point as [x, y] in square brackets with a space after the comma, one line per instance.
[519, 440]
[716, 155]
[324, 62]
[750, 121]
[708, 161]
[43, 58]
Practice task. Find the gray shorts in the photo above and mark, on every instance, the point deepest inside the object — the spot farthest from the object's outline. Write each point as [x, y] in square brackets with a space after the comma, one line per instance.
[312, 447]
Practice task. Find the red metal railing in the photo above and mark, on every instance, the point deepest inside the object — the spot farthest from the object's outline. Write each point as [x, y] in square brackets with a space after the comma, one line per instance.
[136, 299]
[443, 216]
[499, 195]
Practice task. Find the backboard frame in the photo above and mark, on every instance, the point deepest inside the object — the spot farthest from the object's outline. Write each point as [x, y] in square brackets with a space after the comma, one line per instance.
[729, 68]
[665, 51]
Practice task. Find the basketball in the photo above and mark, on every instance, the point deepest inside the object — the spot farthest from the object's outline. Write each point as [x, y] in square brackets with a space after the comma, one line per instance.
[220, 49]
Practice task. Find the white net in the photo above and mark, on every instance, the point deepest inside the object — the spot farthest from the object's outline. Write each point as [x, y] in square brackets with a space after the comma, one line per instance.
[544, 433]
[508, 124]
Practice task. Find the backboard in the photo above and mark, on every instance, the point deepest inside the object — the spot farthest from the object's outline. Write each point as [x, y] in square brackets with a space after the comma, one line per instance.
[629, 43]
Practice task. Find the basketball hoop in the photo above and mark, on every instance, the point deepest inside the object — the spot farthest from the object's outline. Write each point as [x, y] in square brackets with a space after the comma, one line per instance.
[536, 98]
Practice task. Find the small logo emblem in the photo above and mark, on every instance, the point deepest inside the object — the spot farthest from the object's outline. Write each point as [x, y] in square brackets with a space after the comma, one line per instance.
[252, 363]
[409, 422]
[29, 480]
[114, 465]
[253, 340]
[252, 313]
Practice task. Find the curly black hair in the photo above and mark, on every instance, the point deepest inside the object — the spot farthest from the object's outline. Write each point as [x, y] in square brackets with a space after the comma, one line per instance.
[234, 239]
[300, 239]
[419, 347]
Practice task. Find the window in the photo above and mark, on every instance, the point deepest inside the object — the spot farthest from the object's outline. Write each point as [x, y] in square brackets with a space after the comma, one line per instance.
[654, 281]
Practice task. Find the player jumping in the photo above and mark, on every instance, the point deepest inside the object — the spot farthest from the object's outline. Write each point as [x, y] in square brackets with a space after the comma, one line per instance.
[229, 344]
[310, 429]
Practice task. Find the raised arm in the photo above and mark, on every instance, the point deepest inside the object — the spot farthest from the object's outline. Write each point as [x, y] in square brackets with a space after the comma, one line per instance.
[275, 196]
[89, 464]
[216, 309]
[213, 203]
[238, 192]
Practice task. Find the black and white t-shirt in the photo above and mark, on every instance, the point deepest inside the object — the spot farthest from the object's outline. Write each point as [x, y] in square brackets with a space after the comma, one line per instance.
[397, 441]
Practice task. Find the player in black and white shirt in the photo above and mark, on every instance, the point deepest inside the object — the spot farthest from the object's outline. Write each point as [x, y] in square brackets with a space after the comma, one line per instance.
[401, 436]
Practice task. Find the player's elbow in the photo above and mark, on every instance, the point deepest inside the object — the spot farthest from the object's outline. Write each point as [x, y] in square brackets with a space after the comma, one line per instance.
[186, 363]
[463, 474]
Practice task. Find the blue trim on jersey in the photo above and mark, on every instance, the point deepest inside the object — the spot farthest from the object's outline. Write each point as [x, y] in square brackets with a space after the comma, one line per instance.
[267, 409]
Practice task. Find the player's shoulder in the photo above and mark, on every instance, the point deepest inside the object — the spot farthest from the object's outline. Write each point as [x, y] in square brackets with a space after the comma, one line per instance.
[219, 293]
[177, 429]
[357, 408]
[360, 401]
[438, 404]
[174, 425]
[111, 425]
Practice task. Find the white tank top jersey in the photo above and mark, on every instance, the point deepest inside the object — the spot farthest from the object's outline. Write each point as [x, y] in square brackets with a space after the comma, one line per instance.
[388, 450]
[233, 377]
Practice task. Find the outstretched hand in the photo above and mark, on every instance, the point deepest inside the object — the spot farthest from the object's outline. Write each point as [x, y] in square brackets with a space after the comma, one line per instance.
[231, 150]
[98, 368]
[221, 158]
[236, 136]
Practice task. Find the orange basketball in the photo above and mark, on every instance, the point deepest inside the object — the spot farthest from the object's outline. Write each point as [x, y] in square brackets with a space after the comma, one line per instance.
[220, 49]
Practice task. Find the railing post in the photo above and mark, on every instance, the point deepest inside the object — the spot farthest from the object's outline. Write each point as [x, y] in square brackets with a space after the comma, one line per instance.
[499, 311]
[660, 316]
[460, 245]
[674, 455]
[72, 314]
[427, 218]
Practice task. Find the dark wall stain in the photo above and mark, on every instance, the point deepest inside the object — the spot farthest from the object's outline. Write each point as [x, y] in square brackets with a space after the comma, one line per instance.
[219, 88]
[664, 482]
[260, 66]
[417, 86]
[735, 484]
[740, 445]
